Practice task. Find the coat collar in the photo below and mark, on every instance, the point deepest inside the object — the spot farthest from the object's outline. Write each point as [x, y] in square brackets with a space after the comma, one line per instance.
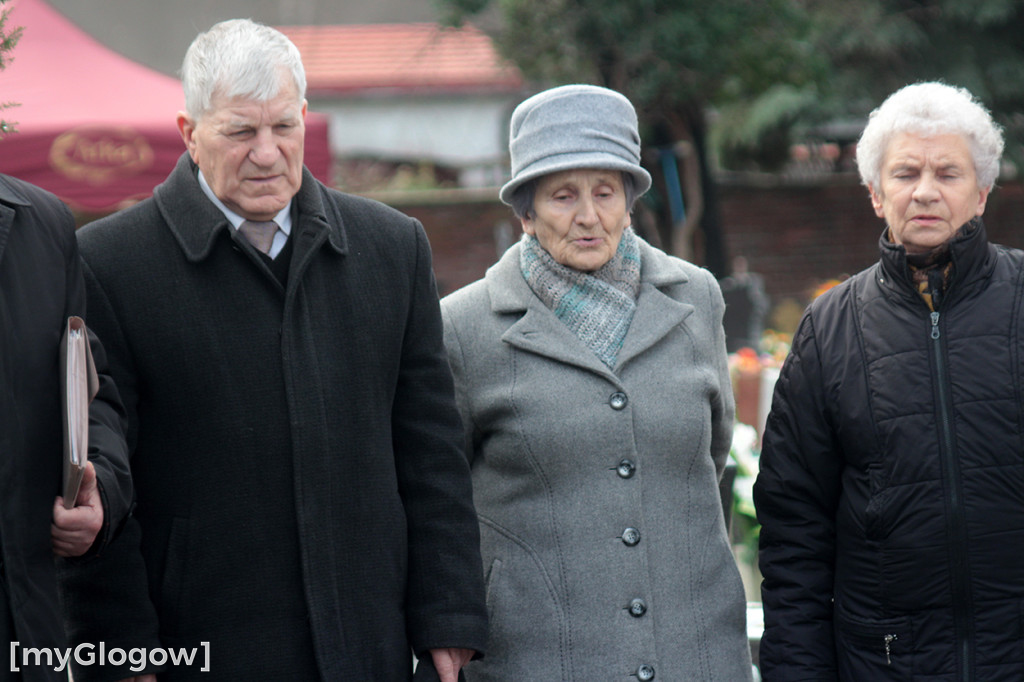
[10, 198]
[539, 331]
[196, 222]
[10, 194]
[972, 255]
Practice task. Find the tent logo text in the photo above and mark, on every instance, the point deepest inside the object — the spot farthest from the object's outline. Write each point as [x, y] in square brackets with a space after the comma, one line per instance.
[100, 155]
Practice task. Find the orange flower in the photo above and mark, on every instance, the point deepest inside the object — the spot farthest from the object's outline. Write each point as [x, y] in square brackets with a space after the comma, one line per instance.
[823, 287]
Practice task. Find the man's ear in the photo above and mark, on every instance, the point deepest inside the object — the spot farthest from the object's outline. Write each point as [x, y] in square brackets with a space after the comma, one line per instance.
[187, 130]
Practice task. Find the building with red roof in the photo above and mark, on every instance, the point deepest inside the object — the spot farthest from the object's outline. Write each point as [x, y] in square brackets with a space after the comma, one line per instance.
[412, 93]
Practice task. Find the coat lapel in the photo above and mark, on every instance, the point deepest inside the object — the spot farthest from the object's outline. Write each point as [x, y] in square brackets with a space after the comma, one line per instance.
[196, 222]
[311, 228]
[538, 331]
[193, 219]
[8, 195]
[657, 313]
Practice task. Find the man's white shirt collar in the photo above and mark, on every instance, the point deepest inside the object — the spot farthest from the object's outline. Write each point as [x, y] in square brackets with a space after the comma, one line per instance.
[283, 218]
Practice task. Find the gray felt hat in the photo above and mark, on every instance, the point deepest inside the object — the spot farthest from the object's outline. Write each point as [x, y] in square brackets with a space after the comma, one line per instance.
[574, 126]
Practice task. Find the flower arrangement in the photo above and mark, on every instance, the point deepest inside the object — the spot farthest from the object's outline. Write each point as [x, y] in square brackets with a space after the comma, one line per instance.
[753, 374]
[744, 454]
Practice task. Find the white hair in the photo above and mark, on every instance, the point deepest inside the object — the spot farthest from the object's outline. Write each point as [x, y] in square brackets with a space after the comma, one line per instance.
[930, 109]
[239, 58]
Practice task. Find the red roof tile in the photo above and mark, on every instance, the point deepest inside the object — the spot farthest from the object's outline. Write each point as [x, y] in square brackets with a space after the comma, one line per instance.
[417, 57]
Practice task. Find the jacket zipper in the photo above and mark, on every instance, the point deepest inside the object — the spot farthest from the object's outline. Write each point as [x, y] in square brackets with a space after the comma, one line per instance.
[954, 520]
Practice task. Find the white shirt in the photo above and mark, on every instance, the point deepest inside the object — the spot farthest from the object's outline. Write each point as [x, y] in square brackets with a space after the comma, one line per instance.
[283, 218]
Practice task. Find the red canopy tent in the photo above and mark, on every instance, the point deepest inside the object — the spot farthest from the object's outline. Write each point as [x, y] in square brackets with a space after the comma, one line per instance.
[96, 129]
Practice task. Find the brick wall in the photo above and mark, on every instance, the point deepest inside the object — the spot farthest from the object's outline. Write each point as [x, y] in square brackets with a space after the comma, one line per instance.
[794, 236]
[798, 237]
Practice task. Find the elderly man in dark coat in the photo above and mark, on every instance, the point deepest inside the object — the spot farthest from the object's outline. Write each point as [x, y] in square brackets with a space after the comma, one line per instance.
[304, 506]
[40, 287]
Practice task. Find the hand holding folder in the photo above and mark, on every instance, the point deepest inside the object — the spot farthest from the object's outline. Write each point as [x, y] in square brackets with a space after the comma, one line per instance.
[79, 385]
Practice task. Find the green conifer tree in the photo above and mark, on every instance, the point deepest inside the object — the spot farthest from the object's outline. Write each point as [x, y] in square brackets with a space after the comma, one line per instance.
[8, 39]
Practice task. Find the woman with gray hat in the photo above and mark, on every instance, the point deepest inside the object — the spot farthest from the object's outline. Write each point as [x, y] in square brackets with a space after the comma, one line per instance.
[591, 374]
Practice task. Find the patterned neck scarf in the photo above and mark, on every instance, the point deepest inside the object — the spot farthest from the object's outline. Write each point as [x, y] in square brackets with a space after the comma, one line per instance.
[597, 306]
[930, 271]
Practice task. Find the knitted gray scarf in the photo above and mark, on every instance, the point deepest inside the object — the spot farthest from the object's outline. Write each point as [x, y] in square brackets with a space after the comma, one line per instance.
[597, 306]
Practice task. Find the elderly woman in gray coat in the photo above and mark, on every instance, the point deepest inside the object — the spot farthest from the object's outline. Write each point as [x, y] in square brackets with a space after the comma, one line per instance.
[591, 374]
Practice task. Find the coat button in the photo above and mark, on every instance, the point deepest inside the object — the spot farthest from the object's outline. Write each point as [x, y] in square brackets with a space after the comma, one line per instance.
[618, 400]
[626, 468]
[631, 537]
[637, 608]
[644, 673]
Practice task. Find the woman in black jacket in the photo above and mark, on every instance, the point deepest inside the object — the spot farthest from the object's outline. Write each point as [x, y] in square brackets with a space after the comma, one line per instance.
[891, 490]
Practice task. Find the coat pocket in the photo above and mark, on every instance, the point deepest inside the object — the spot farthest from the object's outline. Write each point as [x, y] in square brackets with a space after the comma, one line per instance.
[875, 649]
[491, 579]
[877, 525]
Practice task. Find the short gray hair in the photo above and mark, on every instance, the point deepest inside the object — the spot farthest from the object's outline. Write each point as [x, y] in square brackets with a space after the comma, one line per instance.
[930, 109]
[239, 58]
[522, 196]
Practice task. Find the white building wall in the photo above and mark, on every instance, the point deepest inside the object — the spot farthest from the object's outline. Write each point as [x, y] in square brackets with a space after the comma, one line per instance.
[462, 133]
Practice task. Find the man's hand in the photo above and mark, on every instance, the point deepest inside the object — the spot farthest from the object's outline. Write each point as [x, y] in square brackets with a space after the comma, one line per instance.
[449, 662]
[74, 530]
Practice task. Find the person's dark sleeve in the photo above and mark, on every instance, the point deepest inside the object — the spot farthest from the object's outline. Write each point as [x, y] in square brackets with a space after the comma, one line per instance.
[107, 422]
[106, 599]
[796, 494]
[108, 451]
[445, 594]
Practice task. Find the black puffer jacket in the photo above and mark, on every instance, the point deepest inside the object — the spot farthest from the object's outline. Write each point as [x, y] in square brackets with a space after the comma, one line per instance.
[891, 490]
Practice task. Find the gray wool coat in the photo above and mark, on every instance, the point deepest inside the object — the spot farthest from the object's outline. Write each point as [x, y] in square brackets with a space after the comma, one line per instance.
[603, 541]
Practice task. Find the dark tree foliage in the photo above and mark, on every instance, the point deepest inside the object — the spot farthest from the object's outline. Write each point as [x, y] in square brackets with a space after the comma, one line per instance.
[736, 82]
[876, 46]
[674, 59]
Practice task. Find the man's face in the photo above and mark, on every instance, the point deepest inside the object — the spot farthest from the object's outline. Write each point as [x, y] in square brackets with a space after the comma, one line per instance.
[928, 190]
[250, 152]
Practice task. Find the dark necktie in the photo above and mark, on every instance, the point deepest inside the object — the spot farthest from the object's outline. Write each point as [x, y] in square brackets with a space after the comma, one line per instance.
[259, 234]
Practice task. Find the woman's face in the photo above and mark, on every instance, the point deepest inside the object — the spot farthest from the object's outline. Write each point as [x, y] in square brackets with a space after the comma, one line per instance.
[928, 189]
[579, 216]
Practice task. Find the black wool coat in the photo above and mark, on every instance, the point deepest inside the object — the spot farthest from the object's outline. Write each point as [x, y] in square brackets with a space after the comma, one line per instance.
[303, 501]
[40, 287]
[891, 491]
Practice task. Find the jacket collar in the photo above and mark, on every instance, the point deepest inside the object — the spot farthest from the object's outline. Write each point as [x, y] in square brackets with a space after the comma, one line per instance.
[969, 250]
[10, 194]
[510, 293]
[196, 222]
[540, 331]
[10, 198]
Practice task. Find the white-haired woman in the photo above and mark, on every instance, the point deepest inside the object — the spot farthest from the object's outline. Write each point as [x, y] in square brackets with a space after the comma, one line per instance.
[590, 369]
[891, 492]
